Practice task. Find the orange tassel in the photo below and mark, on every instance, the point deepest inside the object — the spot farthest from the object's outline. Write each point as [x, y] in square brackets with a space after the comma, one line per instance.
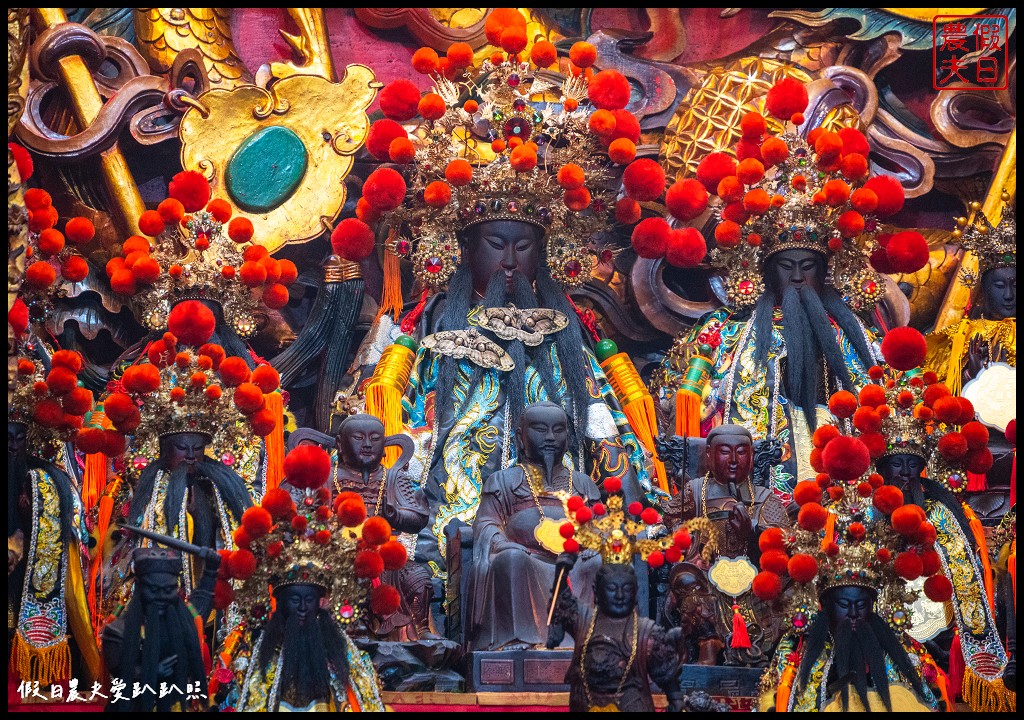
[274, 442]
[786, 683]
[386, 388]
[637, 405]
[986, 564]
[1011, 568]
[830, 531]
[740, 637]
[95, 479]
[200, 631]
[106, 510]
[391, 297]
[688, 406]
[691, 393]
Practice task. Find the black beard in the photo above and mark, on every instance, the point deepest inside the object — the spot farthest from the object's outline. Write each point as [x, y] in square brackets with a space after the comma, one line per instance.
[858, 655]
[17, 478]
[311, 651]
[549, 468]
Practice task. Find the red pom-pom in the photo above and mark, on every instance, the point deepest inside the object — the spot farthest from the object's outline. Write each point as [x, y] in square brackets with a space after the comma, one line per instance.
[300, 523]
[89, 440]
[74, 269]
[613, 485]
[890, 194]
[757, 201]
[223, 594]
[854, 142]
[975, 434]
[727, 234]
[979, 461]
[241, 564]
[842, 404]
[609, 90]
[543, 53]
[376, 530]
[682, 540]
[953, 447]
[424, 60]
[650, 516]
[850, 224]
[753, 126]
[644, 180]
[257, 521]
[836, 192]
[622, 151]
[812, 517]
[191, 189]
[731, 189]
[385, 600]
[908, 565]
[234, 371]
[685, 248]
[368, 564]
[1011, 432]
[627, 211]
[931, 561]
[686, 199]
[119, 407]
[574, 503]
[854, 167]
[399, 100]
[48, 413]
[904, 348]
[656, 559]
[353, 240]
[767, 586]
[173, 212]
[41, 275]
[432, 106]
[393, 554]
[23, 160]
[458, 172]
[815, 459]
[146, 271]
[627, 127]
[875, 443]
[771, 539]
[966, 411]
[37, 199]
[846, 458]
[307, 466]
[888, 498]
[907, 252]
[567, 530]
[248, 398]
[141, 379]
[577, 200]
[384, 189]
[775, 561]
[151, 223]
[437, 193]
[748, 149]
[907, 519]
[514, 40]
[460, 55]
[785, 98]
[933, 393]
[278, 503]
[39, 220]
[262, 422]
[947, 409]
[51, 241]
[824, 434]
[501, 19]
[583, 54]
[191, 322]
[571, 176]
[713, 168]
[352, 512]
[938, 588]
[650, 237]
[266, 378]
[806, 491]
[750, 171]
[252, 274]
[382, 134]
[78, 401]
[802, 568]
[871, 396]
[774, 151]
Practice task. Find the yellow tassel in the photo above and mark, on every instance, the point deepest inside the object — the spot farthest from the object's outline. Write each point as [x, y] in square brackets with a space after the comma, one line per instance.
[95, 479]
[986, 564]
[987, 695]
[391, 298]
[43, 665]
[637, 405]
[954, 371]
[386, 388]
[274, 442]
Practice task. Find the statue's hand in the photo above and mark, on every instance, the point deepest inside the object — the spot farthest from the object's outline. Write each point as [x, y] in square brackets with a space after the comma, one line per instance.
[976, 357]
[211, 558]
[166, 667]
[739, 521]
[564, 563]
[999, 353]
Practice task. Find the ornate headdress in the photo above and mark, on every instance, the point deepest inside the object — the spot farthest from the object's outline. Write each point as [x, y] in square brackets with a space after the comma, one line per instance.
[52, 258]
[906, 411]
[507, 140]
[191, 391]
[200, 256]
[52, 405]
[790, 192]
[337, 549]
[851, 530]
[615, 533]
[994, 245]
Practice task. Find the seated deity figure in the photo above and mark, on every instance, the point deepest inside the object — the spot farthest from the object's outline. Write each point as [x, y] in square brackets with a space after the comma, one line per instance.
[693, 608]
[516, 536]
[739, 511]
[389, 493]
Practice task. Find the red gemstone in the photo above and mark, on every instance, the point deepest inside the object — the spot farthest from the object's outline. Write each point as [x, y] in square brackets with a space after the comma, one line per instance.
[433, 265]
[870, 286]
[572, 268]
[746, 287]
[402, 247]
[607, 256]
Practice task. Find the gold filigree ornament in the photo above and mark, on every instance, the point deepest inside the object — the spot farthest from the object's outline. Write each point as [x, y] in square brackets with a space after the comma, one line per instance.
[994, 245]
[511, 323]
[470, 345]
[281, 151]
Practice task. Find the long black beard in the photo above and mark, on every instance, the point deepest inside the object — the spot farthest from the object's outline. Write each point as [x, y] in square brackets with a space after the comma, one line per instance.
[231, 486]
[809, 336]
[549, 468]
[310, 651]
[567, 342]
[175, 629]
[856, 657]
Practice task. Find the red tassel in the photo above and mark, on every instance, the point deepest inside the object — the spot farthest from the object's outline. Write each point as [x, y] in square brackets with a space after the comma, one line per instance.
[957, 668]
[410, 320]
[740, 638]
[587, 319]
[976, 482]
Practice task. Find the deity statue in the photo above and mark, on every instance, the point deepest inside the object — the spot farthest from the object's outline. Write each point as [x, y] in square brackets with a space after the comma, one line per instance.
[616, 652]
[495, 249]
[739, 511]
[389, 493]
[47, 615]
[693, 608]
[155, 640]
[924, 444]
[516, 535]
[850, 563]
[305, 572]
[797, 281]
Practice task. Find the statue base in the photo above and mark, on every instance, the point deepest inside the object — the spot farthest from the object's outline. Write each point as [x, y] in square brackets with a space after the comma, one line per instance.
[518, 670]
[420, 666]
[737, 686]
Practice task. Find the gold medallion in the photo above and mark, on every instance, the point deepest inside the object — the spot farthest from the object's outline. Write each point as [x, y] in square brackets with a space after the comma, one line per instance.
[732, 576]
[548, 536]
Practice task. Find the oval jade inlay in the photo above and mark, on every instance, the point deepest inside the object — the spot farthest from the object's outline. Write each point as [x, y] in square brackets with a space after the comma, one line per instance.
[266, 169]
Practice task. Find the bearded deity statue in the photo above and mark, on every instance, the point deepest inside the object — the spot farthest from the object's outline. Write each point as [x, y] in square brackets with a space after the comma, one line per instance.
[797, 229]
[47, 613]
[498, 206]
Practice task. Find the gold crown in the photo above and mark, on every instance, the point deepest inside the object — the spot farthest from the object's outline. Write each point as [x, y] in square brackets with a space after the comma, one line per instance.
[994, 245]
[616, 534]
[51, 405]
[518, 106]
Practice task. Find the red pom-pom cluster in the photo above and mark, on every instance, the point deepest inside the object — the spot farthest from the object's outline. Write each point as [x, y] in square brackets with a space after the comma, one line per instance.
[307, 467]
[904, 348]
